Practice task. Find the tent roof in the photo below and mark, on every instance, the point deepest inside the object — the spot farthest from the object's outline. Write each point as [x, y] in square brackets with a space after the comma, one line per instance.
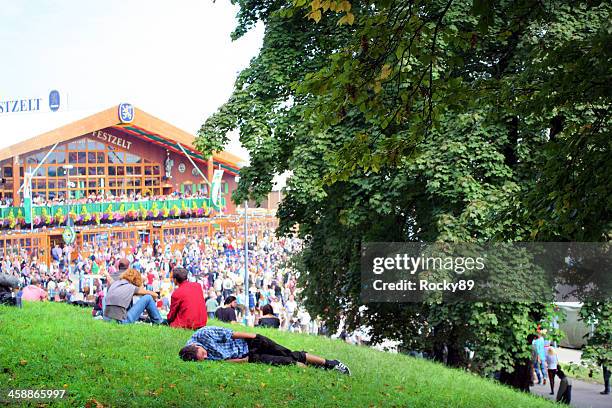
[144, 126]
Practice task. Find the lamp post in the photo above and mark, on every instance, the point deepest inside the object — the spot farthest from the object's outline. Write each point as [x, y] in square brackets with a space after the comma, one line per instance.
[246, 259]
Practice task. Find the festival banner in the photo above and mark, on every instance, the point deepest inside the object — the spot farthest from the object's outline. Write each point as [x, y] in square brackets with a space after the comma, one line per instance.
[216, 188]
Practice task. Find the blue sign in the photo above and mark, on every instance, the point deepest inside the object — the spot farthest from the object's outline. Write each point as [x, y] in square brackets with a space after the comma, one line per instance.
[126, 113]
[54, 100]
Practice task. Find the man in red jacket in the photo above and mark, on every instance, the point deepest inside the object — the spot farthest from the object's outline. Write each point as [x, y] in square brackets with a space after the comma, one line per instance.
[187, 307]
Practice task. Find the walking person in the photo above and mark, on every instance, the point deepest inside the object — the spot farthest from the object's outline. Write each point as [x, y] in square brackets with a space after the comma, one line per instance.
[211, 306]
[551, 362]
[538, 358]
[228, 287]
[606, 377]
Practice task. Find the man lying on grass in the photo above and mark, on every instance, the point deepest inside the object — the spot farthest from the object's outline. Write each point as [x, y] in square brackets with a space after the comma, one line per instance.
[218, 343]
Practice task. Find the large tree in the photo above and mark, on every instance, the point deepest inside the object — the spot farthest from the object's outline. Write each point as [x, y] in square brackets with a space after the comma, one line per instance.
[453, 121]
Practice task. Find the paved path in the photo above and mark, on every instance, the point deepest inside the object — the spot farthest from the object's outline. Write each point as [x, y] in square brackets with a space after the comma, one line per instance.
[584, 395]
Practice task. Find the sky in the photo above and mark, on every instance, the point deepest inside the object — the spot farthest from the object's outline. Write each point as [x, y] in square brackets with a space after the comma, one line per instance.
[172, 59]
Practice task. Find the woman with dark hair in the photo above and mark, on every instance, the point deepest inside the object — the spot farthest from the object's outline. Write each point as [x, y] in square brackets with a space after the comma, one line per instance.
[119, 304]
[268, 319]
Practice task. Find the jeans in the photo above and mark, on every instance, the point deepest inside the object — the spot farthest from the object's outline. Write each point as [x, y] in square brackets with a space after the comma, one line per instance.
[265, 350]
[551, 375]
[539, 367]
[606, 376]
[145, 302]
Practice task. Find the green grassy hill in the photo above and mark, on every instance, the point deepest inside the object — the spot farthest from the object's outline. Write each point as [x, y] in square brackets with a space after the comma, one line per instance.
[50, 346]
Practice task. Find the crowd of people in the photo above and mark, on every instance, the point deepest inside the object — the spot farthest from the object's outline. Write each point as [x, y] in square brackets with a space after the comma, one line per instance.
[182, 287]
[106, 197]
[215, 264]
[103, 197]
[191, 279]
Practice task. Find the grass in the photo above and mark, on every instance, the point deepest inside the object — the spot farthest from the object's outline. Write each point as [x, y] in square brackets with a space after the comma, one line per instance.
[584, 373]
[50, 346]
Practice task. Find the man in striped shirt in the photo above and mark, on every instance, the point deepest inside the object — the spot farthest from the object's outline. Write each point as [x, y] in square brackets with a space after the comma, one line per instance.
[218, 343]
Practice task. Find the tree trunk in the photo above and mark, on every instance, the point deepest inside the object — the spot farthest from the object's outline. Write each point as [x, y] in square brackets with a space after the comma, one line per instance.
[520, 378]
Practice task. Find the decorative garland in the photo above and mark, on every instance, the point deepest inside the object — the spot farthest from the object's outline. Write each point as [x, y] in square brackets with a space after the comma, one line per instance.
[12, 221]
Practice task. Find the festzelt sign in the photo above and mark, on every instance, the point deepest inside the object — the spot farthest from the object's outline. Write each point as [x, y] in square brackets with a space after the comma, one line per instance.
[20, 105]
[31, 104]
[117, 141]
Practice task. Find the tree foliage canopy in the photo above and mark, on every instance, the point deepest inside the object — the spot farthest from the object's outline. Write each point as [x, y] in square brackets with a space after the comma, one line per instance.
[455, 120]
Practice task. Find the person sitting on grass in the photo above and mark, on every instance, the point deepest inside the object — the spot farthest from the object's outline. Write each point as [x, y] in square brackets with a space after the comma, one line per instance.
[118, 300]
[227, 313]
[34, 292]
[268, 319]
[187, 309]
[8, 285]
[218, 343]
